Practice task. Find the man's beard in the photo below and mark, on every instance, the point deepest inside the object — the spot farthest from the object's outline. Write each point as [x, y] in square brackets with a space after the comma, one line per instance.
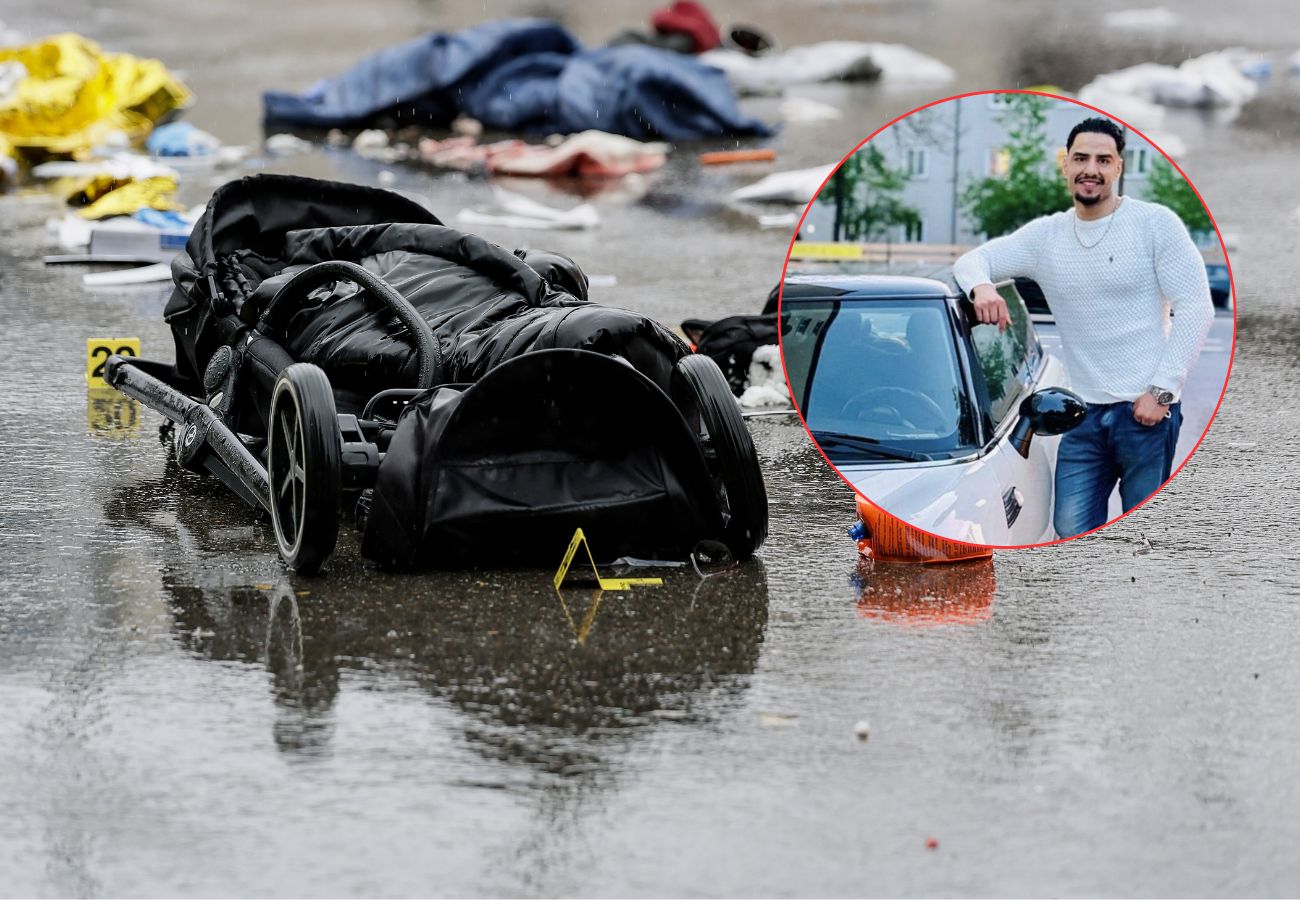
[1088, 200]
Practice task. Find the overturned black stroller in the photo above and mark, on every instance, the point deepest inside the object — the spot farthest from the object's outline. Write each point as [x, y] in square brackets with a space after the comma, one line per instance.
[337, 344]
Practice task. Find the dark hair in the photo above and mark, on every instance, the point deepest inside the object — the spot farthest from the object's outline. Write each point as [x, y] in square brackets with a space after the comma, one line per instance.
[1100, 126]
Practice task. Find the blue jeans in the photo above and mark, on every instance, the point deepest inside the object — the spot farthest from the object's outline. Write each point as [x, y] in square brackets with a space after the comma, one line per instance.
[1109, 446]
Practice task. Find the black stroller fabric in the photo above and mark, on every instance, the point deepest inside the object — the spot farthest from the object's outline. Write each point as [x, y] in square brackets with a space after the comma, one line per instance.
[731, 343]
[553, 412]
[504, 471]
[484, 304]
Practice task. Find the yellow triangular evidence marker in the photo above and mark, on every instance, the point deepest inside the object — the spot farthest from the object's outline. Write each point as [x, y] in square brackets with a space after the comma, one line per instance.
[606, 584]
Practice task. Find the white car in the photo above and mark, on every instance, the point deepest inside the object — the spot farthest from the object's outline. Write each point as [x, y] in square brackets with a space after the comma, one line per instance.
[931, 416]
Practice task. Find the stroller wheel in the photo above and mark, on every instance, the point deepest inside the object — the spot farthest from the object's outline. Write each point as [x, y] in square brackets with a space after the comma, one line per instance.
[701, 392]
[302, 463]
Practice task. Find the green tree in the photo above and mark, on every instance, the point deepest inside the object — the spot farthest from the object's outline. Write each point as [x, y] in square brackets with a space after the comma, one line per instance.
[868, 198]
[1166, 187]
[1032, 185]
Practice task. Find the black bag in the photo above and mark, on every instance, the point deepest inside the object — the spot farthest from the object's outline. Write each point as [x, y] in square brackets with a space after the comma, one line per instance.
[504, 470]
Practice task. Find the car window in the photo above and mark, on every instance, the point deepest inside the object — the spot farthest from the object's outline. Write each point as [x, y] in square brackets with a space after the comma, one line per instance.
[883, 370]
[1007, 359]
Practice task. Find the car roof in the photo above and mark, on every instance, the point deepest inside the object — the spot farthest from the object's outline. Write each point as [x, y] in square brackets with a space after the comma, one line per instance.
[894, 287]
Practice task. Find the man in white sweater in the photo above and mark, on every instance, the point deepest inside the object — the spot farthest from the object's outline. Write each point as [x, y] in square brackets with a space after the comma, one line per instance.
[1112, 269]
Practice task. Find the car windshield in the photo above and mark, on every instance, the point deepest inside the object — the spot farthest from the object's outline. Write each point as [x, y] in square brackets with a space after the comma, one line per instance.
[877, 379]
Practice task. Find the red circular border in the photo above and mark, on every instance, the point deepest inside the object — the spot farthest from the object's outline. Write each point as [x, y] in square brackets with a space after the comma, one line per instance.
[1232, 285]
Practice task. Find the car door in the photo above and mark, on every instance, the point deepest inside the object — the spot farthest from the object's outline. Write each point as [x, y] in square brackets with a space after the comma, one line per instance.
[1009, 365]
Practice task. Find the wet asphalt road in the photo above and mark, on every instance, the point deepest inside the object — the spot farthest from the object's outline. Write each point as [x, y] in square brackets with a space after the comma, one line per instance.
[1115, 715]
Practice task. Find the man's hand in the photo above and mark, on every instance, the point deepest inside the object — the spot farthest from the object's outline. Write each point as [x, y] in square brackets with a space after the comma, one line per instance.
[1147, 411]
[990, 308]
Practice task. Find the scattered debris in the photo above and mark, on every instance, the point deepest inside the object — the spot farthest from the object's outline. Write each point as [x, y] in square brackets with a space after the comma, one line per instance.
[932, 843]
[784, 221]
[689, 19]
[776, 720]
[517, 211]
[727, 157]
[148, 237]
[749, 39]
[72, 97]
[150, 274]
[181, 139]
[828, 61]
[801, 110]
[116, 166]
[509, 73]
[862, 730]
[588, 154]
[765, 385]
[1210, 81]
[467, 126]
[796, 186]
[373, 143]
[102, 196]
[286, 145]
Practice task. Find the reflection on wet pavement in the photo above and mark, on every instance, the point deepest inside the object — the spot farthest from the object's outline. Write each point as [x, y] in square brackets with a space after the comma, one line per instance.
[948, 594]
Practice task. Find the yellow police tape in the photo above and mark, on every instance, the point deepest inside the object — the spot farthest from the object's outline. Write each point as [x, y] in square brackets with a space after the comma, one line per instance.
[606, 584]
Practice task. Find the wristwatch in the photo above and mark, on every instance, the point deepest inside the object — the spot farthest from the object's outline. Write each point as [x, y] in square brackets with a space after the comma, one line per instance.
[1163, 397]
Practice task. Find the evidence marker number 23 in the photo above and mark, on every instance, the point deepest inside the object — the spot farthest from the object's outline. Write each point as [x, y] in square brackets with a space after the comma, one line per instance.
[98, 350]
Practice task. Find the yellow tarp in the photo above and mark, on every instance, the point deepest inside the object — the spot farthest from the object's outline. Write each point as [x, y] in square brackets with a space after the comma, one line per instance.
[75, 95]
[103, 196]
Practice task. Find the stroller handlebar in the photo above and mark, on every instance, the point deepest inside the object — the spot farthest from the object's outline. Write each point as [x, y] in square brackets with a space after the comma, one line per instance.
[290, 296]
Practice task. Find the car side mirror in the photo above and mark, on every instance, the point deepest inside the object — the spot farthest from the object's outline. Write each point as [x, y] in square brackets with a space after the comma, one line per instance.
[1049, 412]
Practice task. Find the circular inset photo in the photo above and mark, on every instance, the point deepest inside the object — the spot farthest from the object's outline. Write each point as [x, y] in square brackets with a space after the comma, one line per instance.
[1007, 319]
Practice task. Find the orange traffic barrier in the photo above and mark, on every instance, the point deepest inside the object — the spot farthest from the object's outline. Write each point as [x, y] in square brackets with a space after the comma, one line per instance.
[887, 539]
[723, 157]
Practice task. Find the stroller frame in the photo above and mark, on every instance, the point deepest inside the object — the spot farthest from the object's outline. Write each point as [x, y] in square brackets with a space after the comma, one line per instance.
[312, 453]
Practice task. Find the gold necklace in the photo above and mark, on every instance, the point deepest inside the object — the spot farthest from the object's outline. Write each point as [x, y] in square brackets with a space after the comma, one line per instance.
[1103, 234]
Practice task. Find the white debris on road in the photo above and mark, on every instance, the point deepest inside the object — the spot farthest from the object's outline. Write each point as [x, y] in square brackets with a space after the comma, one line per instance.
[286, 145]
[766, 381]
[1210, 81]
[828, 61]
[799, 110]
[512, 210]
[795, 186]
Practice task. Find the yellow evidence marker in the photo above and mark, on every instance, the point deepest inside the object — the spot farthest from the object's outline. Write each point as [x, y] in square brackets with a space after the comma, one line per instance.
[606, 584]
[112, 414]
[98, 350]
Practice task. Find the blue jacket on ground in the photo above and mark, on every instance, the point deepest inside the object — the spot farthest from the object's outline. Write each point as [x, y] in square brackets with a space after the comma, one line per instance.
[524, 75]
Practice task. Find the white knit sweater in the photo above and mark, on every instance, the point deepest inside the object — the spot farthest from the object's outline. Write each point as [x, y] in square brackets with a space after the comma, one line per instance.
[1111, 292]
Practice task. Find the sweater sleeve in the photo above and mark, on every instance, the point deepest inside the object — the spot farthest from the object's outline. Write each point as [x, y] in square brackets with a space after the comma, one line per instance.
[1180, 272]
[1013, 255]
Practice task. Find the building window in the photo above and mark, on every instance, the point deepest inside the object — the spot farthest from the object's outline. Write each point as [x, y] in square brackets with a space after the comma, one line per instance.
[915, 231]
[918, 162]
[1137, 162]
[998, 100]
[999, 162]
